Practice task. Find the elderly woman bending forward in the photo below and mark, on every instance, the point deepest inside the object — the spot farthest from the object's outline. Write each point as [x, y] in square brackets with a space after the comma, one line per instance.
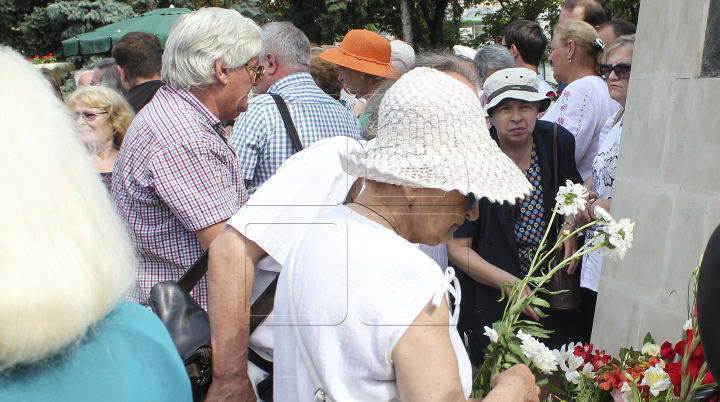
[357, 303]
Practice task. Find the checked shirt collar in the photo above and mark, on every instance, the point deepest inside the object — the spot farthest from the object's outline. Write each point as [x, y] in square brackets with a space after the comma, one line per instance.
[214, 121]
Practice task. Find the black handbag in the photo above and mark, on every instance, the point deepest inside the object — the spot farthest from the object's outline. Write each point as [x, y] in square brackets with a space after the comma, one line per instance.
[189, 325]
[561, 280]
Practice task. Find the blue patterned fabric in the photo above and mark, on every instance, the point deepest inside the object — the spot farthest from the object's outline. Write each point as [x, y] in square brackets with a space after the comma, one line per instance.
[530, 226]
[260, 137]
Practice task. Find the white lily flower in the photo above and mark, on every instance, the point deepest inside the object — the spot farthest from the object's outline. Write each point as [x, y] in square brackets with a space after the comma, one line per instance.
[540, 356]
[657, 379]
[588, 370]
[571, 198]
[492, 334]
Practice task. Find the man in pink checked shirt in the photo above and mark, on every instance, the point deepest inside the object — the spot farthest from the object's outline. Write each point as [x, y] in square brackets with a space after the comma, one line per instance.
[177, 180]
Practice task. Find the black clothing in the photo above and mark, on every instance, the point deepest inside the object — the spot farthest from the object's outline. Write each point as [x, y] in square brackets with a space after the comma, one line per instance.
[141, 94]
[494, 237]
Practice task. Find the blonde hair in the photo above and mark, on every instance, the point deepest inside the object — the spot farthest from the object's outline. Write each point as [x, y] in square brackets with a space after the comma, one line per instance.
[584, 36]
[65, 258]
[120, 113]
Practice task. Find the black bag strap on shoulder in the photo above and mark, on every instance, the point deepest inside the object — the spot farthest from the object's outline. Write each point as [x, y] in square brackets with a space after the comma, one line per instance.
[555, 167]
[287, 119]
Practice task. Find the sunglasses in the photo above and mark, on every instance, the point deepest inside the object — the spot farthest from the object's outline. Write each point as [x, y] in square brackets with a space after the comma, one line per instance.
[472, 202]
[87, 116]
[258, 73]
[622, 70]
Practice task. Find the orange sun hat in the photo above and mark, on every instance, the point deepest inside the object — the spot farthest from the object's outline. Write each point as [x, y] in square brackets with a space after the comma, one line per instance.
[364, 51]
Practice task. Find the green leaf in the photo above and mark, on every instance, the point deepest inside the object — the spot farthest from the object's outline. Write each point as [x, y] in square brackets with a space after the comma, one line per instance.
[648, 339]
[539, 312]
[541, 383]
[536, 301]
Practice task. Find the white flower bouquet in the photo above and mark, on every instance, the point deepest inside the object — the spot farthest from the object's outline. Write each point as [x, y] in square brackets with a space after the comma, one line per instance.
[514, 340]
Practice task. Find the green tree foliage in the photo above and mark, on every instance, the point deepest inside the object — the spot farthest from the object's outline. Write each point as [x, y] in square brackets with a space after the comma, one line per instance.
[627, 10]
[12, 14]
[40, 33]
[82, 16]
[42, 30]
[513, 10]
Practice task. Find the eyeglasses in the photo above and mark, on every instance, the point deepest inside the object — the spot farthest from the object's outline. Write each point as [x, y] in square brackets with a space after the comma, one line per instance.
[622, 70]
[87, 116]
[506, 46]
[472, 202]
[258, 73]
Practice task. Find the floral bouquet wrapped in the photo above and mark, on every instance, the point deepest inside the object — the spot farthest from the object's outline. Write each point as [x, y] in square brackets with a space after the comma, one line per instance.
[515, 341]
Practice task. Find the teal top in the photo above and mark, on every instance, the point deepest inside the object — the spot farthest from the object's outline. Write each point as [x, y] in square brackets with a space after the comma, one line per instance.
[127, 356]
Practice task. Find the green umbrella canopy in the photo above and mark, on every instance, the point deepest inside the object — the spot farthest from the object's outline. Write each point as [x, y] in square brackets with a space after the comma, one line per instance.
[157, 22]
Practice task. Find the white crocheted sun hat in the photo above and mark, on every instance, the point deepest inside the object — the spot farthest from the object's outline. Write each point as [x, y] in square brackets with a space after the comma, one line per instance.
[432, 133]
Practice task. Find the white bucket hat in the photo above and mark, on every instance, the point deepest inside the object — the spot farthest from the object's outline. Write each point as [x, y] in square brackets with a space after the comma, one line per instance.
[432, 134]
[516, 83]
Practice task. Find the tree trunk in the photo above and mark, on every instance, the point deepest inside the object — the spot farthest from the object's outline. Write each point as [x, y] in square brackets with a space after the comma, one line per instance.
[406, 22]
[436, 29]
[151, 5]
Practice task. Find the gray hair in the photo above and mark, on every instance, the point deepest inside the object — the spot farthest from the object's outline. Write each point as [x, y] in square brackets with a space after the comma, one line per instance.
[492, 57]
[105, 63]
[200, 38]
[441, 61]
[111, 79]
[627, 40]
[287, 43]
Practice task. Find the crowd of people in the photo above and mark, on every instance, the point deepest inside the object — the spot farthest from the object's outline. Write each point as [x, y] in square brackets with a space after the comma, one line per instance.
[340, 180]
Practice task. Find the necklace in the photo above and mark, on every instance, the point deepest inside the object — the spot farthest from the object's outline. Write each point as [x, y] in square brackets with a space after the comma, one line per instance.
[378, 214]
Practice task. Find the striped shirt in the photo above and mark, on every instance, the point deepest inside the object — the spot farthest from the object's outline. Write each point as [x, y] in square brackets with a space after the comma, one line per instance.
[260, 137]
[175, 174]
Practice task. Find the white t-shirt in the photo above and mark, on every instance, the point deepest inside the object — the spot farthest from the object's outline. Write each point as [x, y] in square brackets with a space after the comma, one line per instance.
[604, 166]
[358, 286]
[306, 186]
[584, 109]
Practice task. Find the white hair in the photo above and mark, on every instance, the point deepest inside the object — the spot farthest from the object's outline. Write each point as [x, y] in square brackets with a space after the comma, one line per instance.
[78, 74]
[65, 258]
[199, 38]
[288, 43]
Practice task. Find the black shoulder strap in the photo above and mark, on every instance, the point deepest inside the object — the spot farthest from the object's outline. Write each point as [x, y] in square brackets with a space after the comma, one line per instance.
[258, 311]
[287, 119]
[193, 275]
[555, 167]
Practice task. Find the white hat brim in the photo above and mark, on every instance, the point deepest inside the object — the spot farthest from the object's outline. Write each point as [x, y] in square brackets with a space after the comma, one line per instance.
[432, 134]
[521, 95]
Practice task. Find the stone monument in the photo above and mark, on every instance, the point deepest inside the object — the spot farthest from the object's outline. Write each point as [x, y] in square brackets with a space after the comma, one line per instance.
[666, 177]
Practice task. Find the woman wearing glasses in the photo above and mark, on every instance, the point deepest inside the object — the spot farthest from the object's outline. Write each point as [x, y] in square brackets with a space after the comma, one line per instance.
[497, 249]
[616, 71]
[102, 117]
[584, 106]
